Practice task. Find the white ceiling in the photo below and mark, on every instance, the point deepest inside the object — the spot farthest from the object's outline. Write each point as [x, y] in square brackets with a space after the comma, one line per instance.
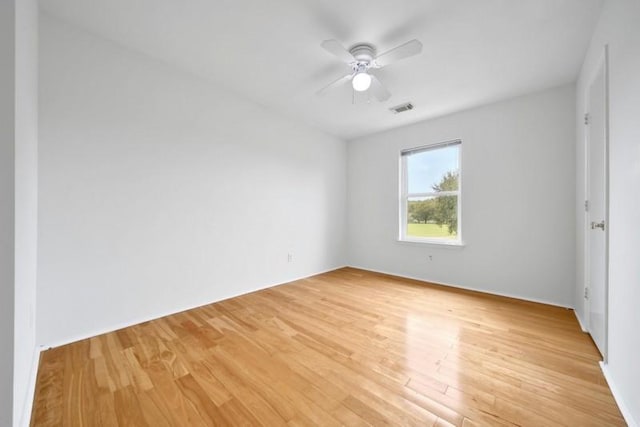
[475, 51]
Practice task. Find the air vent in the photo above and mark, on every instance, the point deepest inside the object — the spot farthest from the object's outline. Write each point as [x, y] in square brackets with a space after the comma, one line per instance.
[402, 108]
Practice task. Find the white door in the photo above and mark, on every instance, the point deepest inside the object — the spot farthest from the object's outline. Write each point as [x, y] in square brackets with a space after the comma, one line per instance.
[597, 224]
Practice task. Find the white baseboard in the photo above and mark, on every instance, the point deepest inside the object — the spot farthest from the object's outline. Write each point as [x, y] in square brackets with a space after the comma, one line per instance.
[467, 288]
[25, 417]
[628, 417]
[159, 315]
[580, 322]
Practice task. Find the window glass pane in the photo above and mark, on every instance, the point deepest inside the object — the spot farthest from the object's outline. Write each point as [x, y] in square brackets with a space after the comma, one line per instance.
[433, 170]
[432, 217]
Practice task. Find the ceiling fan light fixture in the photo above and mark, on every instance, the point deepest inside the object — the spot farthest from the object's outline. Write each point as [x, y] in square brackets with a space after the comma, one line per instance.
[361, 82]
[362, 57]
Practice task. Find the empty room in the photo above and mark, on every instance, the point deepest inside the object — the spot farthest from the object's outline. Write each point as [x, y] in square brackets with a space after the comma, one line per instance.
[319, 213]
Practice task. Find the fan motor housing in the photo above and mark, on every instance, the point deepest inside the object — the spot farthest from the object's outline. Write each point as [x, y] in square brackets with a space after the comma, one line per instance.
[363, 52]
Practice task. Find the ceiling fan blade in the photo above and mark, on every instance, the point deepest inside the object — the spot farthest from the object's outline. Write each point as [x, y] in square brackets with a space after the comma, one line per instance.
[337, 82]
[380, 92]
[406, 50]
[334, 47]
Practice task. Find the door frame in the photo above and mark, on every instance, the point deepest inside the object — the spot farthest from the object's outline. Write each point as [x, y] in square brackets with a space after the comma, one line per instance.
[603, 62]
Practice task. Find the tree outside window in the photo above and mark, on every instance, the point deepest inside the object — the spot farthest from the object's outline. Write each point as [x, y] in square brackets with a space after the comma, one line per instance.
[430, 199]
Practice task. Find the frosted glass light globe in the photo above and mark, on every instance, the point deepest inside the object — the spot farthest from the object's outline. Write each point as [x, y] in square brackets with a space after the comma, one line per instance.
[361, 82]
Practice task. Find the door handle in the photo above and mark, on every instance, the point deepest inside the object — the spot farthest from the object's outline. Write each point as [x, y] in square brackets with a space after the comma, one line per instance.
[595, 225]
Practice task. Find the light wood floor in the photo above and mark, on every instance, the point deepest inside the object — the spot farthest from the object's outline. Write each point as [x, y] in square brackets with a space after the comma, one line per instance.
[347, 347]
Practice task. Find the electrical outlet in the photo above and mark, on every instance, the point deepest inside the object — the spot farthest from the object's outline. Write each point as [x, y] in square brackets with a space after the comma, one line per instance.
[429, 257]
[289, 257]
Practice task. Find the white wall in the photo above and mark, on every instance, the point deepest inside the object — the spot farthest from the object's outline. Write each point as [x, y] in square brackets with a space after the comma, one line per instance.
[18, 210]
[618, 27]
[7, 207]
[26, 207]
[160, 191]
[518, 184]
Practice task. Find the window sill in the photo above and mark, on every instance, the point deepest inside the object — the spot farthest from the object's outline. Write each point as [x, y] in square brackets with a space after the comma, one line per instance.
[437, 243]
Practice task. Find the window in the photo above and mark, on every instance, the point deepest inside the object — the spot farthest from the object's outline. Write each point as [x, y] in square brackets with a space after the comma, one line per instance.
[430, 208]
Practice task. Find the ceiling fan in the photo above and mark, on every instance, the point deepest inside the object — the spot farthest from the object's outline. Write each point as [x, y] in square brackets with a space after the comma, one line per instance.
[362, 58]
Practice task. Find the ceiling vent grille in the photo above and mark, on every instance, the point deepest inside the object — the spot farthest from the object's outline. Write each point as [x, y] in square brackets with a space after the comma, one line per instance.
[402, 108]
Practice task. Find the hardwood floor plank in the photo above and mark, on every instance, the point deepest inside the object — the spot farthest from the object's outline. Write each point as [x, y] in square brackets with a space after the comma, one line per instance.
[154, 409]
[127, 409]
[348, 347]
[200, 401]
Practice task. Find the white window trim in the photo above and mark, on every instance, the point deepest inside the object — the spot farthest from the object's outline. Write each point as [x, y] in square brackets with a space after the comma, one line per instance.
[404, 197]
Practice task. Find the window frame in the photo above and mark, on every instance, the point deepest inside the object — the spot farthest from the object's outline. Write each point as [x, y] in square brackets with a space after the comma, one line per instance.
[404, 195]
